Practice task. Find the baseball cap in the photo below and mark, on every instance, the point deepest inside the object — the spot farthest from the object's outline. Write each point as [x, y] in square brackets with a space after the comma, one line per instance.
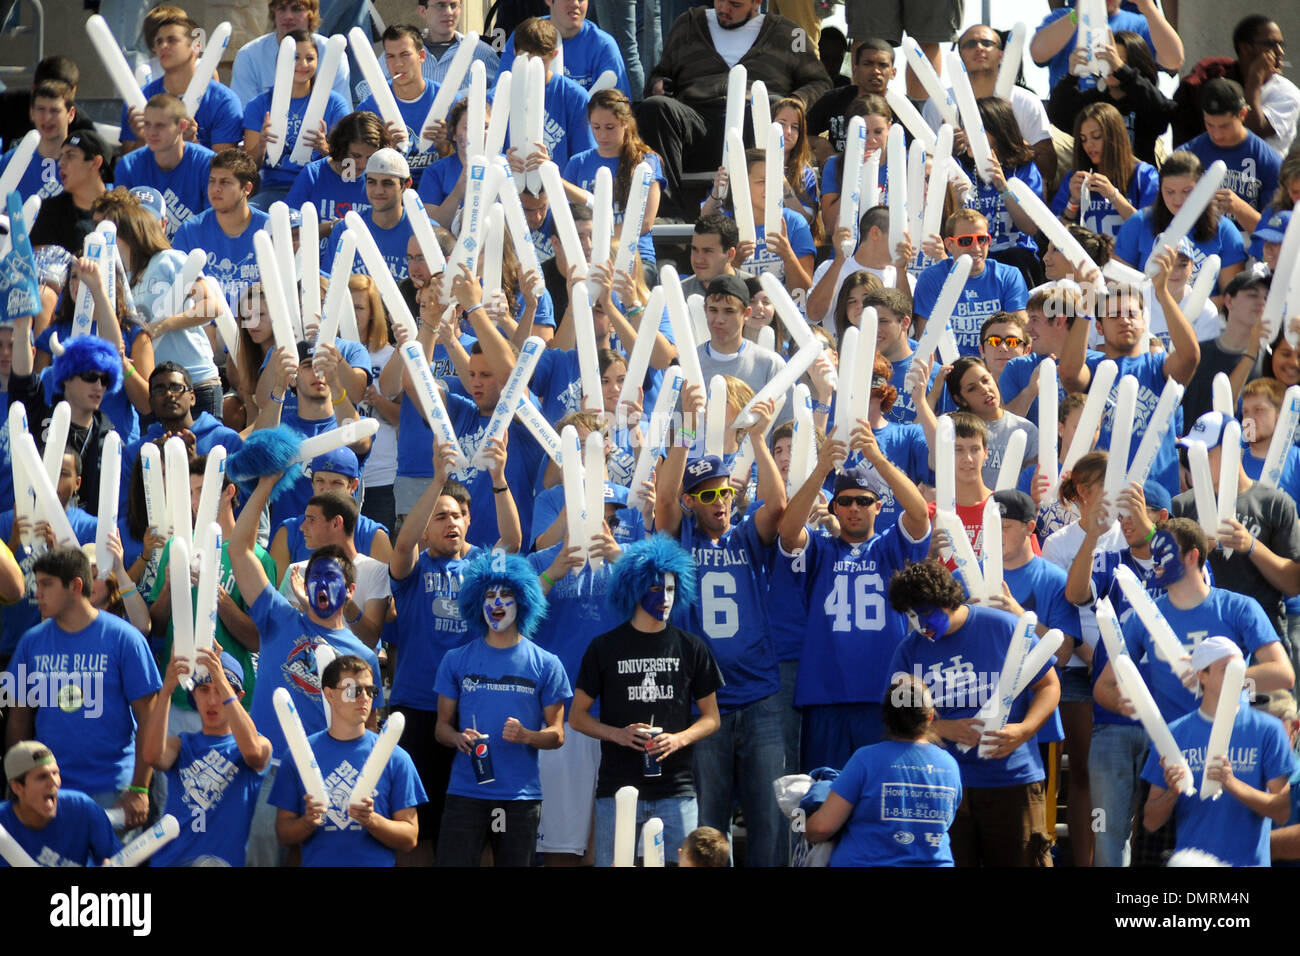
[1016, 505]
[1248, 279]
[1222, 95]
[1212, 649]
[729, 285]
[701, 470]
[1208, 428]
[388, 162]
[1157, 495]
[305, 352]
[340, 461]
[1273, 229]
[152, 200]
[234, 672]
[91, 145]
[852, 481]
[24, 756]
[615, 493]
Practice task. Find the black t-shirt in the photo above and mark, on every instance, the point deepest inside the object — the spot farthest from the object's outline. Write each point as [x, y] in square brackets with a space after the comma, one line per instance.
[827, 115]
[61, 223]
[639, 677]
[1198, 398]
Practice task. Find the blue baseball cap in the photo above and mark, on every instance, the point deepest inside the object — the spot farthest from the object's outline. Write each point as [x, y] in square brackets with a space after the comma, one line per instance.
[1208, 429]
[234, 672]
[615, 493]
[1273, 229]
[340, 461]
[152, 200]
[1157, 495]
[701, 470]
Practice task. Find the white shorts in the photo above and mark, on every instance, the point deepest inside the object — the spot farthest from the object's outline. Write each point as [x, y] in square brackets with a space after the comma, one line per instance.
[568, 793]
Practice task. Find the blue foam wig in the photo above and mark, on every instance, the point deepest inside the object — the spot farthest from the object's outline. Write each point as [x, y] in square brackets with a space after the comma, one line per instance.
[87, 353]
[266, 452]
[633, 574]
[499, 569]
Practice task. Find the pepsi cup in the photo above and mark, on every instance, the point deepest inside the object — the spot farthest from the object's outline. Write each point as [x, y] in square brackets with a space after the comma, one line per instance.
[650, 765]
[480, 757]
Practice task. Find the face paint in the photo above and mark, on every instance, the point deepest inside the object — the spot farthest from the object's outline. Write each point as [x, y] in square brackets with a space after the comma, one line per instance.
[658, 601]
[1167, 559]
[928, 622]
[327, 589]
[499, 608]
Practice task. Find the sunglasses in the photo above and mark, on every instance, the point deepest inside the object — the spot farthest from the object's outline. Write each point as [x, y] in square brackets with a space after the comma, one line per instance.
[1010, 341]
[965, 242]
[984, 42]
[168, 388]
[92, 377]
[849, 501]
[709, 495]
[353, 691]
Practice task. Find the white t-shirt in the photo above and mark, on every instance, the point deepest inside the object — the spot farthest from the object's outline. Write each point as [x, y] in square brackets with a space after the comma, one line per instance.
[372, 580]
[1031, 116]
[1060, 549]
[887, 275]
[733, 44]
[381, 465]
[1280, 102]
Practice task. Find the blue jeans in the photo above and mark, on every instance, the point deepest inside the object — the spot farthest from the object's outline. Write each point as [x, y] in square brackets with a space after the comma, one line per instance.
[742, 760]
[1115, 763]
[678, 814]
[634, 25]
[791, 719]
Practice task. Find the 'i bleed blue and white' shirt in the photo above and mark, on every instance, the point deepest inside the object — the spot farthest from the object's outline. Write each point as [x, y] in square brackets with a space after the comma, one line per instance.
[999, 288]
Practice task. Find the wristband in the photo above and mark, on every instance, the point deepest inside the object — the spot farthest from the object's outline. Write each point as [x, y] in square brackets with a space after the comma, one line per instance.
[133, 589]
[1150, 534]
[130, 369]
[547, 578]
[341, 399]
[820, 407]
[134, 789]
[500, 491]
[472, 308]
[278, 401]
[1074, 17]
[686, 433]
[1006, 194]
[1251, 549]
[633, 312]
[229, 700]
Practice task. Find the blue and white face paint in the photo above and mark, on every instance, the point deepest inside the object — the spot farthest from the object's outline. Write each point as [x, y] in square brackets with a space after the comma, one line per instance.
[929, 622]
[658, 601]
[499, 608]
[327, 588]
[1167, 559]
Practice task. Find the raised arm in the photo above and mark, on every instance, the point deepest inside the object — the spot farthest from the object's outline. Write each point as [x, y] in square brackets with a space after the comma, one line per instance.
[794, 522]
[771, 486]
[406, 550]
[669, 474]
[1185, 351]
[248, 571]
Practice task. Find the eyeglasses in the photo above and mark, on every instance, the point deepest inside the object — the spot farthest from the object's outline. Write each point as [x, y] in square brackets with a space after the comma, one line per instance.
[1009, 341]
[965, 242]
[353, 691]
[984, 42]
[92, 378]
[849, 501]
[709, 495]
[168, 388]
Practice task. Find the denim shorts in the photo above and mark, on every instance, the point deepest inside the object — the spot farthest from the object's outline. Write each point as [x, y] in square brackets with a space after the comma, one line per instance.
[1076, 685]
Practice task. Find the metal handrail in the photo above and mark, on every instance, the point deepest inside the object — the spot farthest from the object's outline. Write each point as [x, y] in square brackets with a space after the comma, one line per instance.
[38, 28]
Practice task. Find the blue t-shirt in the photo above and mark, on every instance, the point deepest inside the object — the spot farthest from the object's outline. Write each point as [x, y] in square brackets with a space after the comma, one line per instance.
[184, 189]
[581, 171]
[999, 288]
[363, 536]
[851, 631]
[333, 196]
[906, 448]
[292, 502]
[232, 260]
[1100, 216]
[220, 114]
[903, 411]
[577, 610]
[212, 793]
[439, 180]
[1059, 65]
[1253, 166]
[905, 797]
[41, 177]
[340, 840]
[587, 55]
[24, 614]
[491, 684]
[1224, 613]
[286, 171]
[413, 114]
[288, 659]
[732, 612]
[1149, 370]
[87, 680]
[961, 669]
[208, 431]
[765, 260]
[1226, 828]
[985, 198]
[392, 245]
[79, 835]
[431, 626]
[1135, 238]
[567, 131]
[1039, 586]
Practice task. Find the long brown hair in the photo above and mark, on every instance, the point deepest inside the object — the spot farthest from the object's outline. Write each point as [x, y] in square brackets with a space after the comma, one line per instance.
[633, 149]
[798, 158]
[1088, 470]
[1008, 141]
[137, 229]
[377, 335]
[1117, 161]
[1183, 163]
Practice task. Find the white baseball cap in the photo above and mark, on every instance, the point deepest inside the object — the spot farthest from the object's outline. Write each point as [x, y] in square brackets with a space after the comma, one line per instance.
[1212, 649]
[388, 162]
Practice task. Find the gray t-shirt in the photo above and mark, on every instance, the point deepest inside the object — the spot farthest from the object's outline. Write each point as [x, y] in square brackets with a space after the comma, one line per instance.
[753, 365]
[1269, 515]
[1000, 433]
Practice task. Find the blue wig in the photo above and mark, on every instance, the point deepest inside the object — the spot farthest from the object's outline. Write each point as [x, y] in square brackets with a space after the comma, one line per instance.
[266, 452]
[499, 569]
[87, 353]
[633, 574]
